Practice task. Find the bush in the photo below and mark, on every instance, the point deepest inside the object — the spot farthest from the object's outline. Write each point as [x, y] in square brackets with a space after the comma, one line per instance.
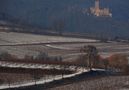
[7, 56]
[42, 56]
[126, 70]
[118, 60]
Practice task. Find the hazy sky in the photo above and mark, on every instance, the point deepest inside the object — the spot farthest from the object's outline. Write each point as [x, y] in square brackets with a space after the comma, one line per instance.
[45, 13]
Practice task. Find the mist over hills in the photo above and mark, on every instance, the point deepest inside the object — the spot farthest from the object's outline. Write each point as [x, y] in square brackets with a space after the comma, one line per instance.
[73, 13]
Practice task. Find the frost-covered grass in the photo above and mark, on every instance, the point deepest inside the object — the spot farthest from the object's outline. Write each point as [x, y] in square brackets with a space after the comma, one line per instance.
[105, 49]
[12, 38]
[37, 66]
[19, 81]
[105, 83]
[22, 38]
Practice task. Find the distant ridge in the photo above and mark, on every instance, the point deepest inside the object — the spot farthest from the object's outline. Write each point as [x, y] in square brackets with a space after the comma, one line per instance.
[46, 14]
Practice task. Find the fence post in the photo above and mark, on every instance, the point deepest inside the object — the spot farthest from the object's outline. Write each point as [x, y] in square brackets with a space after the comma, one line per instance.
[9, 84]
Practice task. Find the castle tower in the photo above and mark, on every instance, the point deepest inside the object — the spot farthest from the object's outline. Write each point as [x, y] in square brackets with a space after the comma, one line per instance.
[97, 9]
[96, 4]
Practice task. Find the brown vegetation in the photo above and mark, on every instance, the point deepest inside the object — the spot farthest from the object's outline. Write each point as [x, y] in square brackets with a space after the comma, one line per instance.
[7, 56]
[119, 61]
[114, 62]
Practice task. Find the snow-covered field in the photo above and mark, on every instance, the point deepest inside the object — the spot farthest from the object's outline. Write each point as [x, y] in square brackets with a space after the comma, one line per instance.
[13, 38]
[67, 51]
[105, 83]
[64, 50]
[43, 80]
[37, 66]
[22, 38]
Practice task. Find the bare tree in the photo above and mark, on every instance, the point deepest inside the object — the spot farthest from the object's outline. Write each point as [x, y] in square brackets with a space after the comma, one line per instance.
[91, 53]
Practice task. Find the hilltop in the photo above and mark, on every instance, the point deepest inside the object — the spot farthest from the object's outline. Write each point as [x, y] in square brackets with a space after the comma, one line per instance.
[47, 14]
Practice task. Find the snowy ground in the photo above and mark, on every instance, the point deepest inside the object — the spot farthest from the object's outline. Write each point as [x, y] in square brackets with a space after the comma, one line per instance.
[13, 38]
[43, 80]
[21, 38]
[67, 51]
[64, 50]
[37, 66]
[105, 83]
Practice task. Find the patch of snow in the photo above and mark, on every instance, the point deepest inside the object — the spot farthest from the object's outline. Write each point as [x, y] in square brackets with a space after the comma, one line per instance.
[42, 81]
[22, 38]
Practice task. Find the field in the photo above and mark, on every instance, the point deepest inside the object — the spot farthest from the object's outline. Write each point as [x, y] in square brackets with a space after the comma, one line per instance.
[20, 38]
[105, 83]
[65, 50]
[16, 38]
[20, 44]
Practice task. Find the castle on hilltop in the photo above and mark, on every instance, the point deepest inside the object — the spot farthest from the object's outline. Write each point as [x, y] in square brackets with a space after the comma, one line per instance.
[97, 11]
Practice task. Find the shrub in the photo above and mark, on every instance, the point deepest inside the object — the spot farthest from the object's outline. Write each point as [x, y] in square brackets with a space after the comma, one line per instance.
[7, 56]
[42, 56]
[118, 60]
